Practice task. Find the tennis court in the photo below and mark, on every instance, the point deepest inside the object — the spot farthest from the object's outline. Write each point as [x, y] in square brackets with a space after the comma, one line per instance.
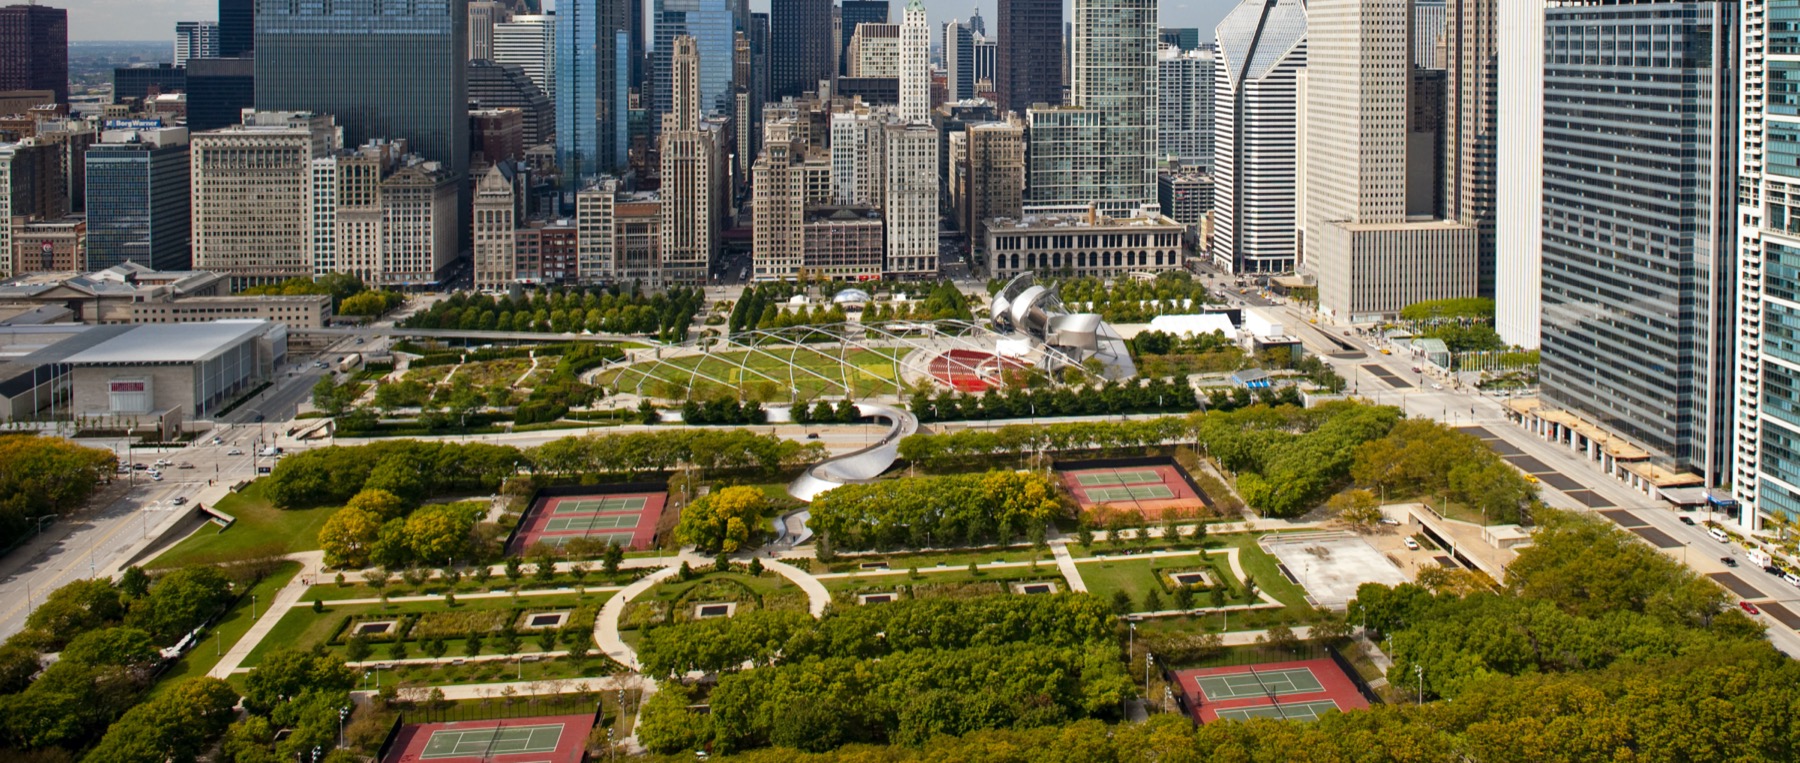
[1119, 477]
[1259, 683]
[453, 743]
[1131, 493]
[602, 505]
[1298, 711]
[583, 524]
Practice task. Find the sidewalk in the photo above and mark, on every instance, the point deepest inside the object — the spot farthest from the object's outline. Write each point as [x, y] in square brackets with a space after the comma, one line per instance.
[527, 688]
[817, 597]
[284, 600]
[1072, 575]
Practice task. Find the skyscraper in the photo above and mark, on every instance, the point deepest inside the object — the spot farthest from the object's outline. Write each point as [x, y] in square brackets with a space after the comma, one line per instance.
[959, 61]
[915, 65]
[1370, 257]
[691, 171]
[396, 71]
[506, 86]
[218, 90]
[483, 15]
[1428, 32]
[1638, 266]
[34, 49]
[530, 43]
[800, 46]
[1185, 106]
[1519, 184]
[1028, 56]
[712, 25]
[495, 215]
[910, 147]
[592, 93]
[1261, 50]
[1471, 139]
[858, 12]
[252, 205]
[195, 39]
[1101, 148]
[237, 27]
[137, 199]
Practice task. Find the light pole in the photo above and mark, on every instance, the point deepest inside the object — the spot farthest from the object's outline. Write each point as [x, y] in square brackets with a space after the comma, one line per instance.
[343, 712]
[1419, 670]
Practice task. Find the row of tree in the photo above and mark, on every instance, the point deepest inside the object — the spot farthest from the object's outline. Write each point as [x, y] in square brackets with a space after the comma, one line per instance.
[723, 410]
[43, 477]
[1155, 395]
[823, 412]
[411, 470]
[378, 527]
[1129, 300]
[1289, 459]
[936, 511]
[612, 309]
[1423, 457]
[659, 451]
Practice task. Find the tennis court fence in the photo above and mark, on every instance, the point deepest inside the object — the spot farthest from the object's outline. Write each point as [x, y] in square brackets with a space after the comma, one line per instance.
[582, 703]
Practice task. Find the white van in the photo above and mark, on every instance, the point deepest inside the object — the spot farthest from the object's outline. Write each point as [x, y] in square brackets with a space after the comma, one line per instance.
[1718, 535]
[1756, 558]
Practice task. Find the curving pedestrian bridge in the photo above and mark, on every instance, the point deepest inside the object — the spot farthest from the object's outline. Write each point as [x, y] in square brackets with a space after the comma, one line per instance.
[855, 467]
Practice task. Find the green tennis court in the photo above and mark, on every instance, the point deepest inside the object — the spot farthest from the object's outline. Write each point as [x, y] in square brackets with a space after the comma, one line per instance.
[463, 743]
[1259, 684]
[599, 505]
[1298, 711]
[1126, 477]
[1130, 493]
[581, 524]
[622, 540]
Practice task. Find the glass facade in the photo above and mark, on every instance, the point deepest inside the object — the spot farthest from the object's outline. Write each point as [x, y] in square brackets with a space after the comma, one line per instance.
[137, 206]
[712, 24]
[1639, 115]
[593, 50]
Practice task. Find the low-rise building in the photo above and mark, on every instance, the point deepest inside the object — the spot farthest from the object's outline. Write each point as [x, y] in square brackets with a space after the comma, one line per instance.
[190, 370]
[1083, 245]
[843, 243]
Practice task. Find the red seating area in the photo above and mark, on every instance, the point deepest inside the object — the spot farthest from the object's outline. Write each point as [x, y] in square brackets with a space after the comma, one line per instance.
[970, 371]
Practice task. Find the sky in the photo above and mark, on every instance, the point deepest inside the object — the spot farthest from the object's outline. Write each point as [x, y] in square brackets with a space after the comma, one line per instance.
[155, 19]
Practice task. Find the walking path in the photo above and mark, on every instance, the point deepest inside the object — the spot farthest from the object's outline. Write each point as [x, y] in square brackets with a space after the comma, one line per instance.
[606, 626]
[469, 596]
[535, 688]
[279, 604]
[1066, 563]
[817, 597]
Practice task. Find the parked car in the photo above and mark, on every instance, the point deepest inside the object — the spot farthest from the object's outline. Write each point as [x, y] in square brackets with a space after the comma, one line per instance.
[1749, 608]
[1689, 521]
[155, 476]
[184, 465]
[1388, 521]
[1773, 570]
[1411, 544]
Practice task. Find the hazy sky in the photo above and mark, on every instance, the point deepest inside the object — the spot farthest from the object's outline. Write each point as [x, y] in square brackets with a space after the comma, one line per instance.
[155, 19]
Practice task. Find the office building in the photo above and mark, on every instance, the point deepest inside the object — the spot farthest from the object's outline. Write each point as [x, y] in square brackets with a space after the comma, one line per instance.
[712, 24]
[854, 14]
[37, 177]
[548, 252]
[506, 86]
[498, 207]
[596, 233]
[34, 49]
[875, 51]
[1089, 245]
[1261, 51]
[1180, 38]
[252, 205]
[1369, 254]
[1471, 123]
[842, 243]
[529, 42]
[218, 91]
[1639, 268]
[393, 71]
[959, 61]
[133, 84]
[1101, 148]
[800, 53]
[994, 176]
[1519, 183]
[1428, 33]
[790, 175]
[137, 199]
[195, 39]
[483, 15]
[495, 135]
[237, 28]
[692, 173]
[910, 151]
[915, 65]
[986, 49]
[1028, 59]
[592, 89]
[1186, 197]
[1184, 122]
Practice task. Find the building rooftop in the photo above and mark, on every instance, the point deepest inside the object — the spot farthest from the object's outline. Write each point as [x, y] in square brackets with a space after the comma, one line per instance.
[168, 343]
[1081, 221]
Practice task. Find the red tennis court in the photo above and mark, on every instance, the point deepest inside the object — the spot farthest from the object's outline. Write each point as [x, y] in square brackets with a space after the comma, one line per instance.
[627, 519]
[1300, 690]
[547, 739]
[1151, 489]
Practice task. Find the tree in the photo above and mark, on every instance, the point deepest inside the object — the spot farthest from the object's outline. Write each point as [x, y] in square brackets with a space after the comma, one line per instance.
[328, 397]
[368, 304]
[1153, 601]
[286, 672]
[1184, 597]
[1121, 603]
[181, 601]
[439, 532]
[175, 725]
[434, 647]
[379, 504]
[611, 558]
[1281, 637]
[347, 537]
[357, 648]
[755, 567]
[18, 664]
[1217, 596]
[545, 567]
[1358, 507]
[127, 647]
[397, 650]
[508, 641]
[722, 562]
[721, 521]
[472, 645]
[515, 569]
[72, 610]
[546, 640]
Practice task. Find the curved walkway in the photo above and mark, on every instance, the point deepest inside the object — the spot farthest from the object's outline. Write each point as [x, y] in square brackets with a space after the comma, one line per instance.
[606, 626]
[861, 465]
[816, 596]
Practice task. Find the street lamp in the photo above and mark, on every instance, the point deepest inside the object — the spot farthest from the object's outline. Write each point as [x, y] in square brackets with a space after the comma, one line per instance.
[1419, 670]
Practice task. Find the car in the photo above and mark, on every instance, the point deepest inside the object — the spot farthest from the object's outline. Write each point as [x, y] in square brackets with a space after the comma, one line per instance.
[1749, 609]
[1388, 521]
[1728, 561]
[234, 452]
[1689, 521]
[258, 418]
[1418, 370]
[140, 467]
[812, 435]
[156, 477]
[1773, 570]
[218, 441]
[180, 500]
[1411, 545]
[184, 465]
[1435, 385]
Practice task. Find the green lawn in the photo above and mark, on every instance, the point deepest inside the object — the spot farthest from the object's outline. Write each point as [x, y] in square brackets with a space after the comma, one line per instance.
[261, 530]
[228, 630]
[672, 589]
[1258, 564]
[935, 559]
[302, 628]
[355, 587]
[594, 665]
[1046, 570]
[874, 373]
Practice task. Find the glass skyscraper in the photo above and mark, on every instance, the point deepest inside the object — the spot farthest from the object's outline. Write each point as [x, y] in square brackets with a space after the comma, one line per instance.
[712, 24]
[383, 70]
[1640, 113]
[593, 67]
[137, 202]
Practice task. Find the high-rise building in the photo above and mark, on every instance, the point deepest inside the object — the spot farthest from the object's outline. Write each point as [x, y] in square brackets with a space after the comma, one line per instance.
[393, 71]
[691, 173]
[790, 175]
[506, 86]
[135, 83]
[1639, 268]
[1370, 257]
[1471, 122]
[218, 91]
[596, 234]
[1028, 53]
[483, 15]
[195, 39]
[252, 205]
[995, 176]
[959, 61]
[712, 24]
[1519, 184]
[237, 28]
[32, 190]
[592, 89]
[910, 150]
[855, 13]
[1428, 33]
[875, 51]
[915, 65]
[1101, 148]
[497, 208]
[529, 42]
[986, 50]
[1261, 51]
[800, 53]
[34, 49]
[1184, 124]
[1180, 38]
[137, 199]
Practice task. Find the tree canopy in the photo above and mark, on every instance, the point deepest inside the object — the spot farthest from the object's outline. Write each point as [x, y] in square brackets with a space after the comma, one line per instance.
[722, 520]
[935, 511]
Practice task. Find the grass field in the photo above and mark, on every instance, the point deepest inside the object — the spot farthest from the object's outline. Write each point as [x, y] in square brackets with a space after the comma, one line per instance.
[769, 376]
[261, 530]
[355, 588]
[227, 630]
[1046, 570]
[934, 559]
[302, 628]
[1136, 576]
[556, 668]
